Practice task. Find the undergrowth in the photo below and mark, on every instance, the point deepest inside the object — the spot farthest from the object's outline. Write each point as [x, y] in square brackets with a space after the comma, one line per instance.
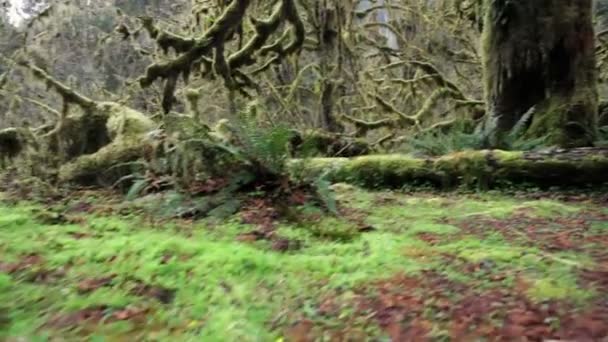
[462, 137]
[204, 282]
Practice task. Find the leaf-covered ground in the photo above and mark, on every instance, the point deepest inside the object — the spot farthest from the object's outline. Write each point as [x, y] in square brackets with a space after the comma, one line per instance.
[393, 266]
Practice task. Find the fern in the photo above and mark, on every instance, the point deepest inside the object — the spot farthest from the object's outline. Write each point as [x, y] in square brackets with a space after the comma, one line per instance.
[516, 139]
[522, 124]
[136, 189]
[441, 143]
[326, 195]
[265, 147]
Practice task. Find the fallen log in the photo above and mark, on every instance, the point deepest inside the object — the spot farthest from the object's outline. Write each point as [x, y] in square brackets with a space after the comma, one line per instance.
[485, 168]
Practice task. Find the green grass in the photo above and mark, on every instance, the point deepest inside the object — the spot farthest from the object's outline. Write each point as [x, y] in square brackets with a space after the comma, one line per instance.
[230, 290]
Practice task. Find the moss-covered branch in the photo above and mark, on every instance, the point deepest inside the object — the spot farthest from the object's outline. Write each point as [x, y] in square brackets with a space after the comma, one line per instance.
[213, 42]
[439, 78]
[122, 150]
[167, 40]
[68, 94]
[362, 126]
[263, 30]
[217, 33]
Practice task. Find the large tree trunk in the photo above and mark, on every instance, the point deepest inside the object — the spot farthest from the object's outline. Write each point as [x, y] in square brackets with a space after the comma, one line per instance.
[538, 57]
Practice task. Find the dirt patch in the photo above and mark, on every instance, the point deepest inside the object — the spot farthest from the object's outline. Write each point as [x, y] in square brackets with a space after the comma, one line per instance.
[208, 186]
[97, 315]
[31, 269]
[597, 279]
[285, 245]
[430, 238]
[560, 233]
[162, 294]
[260, 212]
[428, 306]
[23, 264]
[90, 285]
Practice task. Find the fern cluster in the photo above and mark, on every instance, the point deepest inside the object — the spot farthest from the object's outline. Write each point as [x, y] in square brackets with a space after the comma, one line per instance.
[266, 148]
[461, 138]
[241, 152]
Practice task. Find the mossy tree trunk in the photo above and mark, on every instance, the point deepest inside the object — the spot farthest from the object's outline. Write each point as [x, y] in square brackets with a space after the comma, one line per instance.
[330, 20]
[539, 57]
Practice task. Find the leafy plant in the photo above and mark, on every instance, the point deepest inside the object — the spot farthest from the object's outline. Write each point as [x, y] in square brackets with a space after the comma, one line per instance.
[264, 147]
[516, 139]
[326, 195]
[433, 143]
[460, 138]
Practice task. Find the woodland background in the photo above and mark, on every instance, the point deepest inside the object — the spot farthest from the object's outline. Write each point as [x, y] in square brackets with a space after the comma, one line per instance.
[362, 64]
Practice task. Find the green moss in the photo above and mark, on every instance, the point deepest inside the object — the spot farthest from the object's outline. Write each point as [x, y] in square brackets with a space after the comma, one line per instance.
[555, 288]
[334, 229]
[383, 170]
[469, 168]
[121, 150]
[599, 228]
[226, 289]
[353, 197]
[549, 278]
[550, 208]
[124, 121]
[238, 287]
[492, 249]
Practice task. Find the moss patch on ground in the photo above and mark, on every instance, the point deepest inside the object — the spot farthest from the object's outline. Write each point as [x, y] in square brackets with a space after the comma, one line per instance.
[125, 276]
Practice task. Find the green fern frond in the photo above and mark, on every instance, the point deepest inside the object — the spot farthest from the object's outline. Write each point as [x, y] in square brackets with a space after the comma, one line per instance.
[520, 127]
[326, 195]
[136, 189]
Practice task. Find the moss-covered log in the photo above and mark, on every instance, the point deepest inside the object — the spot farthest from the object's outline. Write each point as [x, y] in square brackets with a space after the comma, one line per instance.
[541, 55]
[552, 167]
[88, 168]
[87, 141]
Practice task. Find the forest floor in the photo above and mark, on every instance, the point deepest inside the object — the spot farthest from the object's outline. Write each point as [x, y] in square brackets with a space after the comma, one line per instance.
[392, 266]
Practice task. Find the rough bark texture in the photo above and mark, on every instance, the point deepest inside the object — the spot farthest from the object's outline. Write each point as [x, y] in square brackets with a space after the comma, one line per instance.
[552, 167]
[541, 54]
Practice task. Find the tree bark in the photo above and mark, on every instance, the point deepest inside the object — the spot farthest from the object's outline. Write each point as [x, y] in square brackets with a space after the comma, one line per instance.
[540, 55]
